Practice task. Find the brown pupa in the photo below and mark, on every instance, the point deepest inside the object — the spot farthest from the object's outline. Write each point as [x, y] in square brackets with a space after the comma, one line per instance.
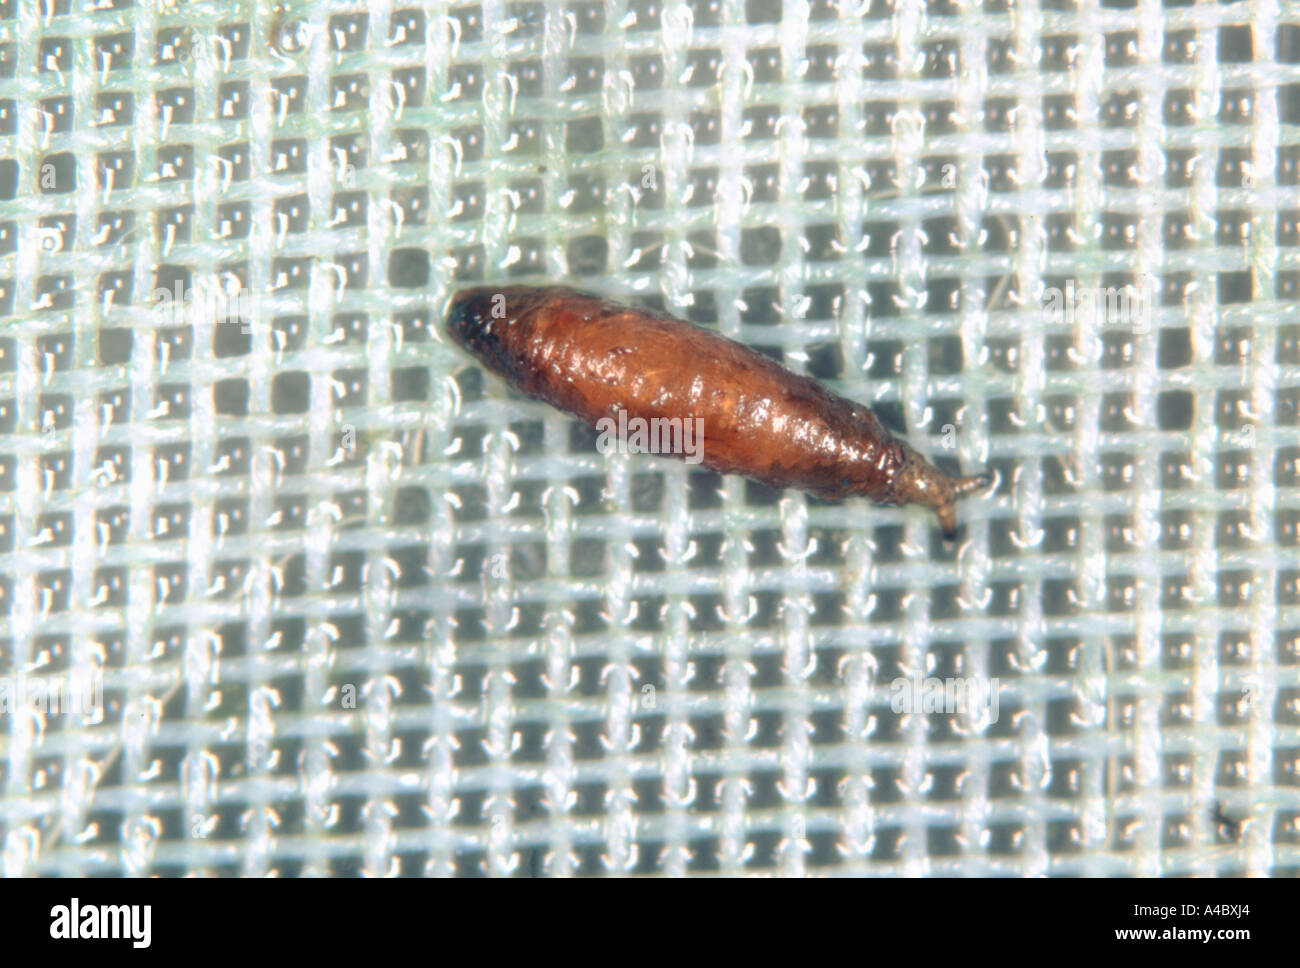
[595, 359]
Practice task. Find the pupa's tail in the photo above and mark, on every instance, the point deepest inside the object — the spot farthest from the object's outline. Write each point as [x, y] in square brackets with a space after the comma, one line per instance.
[920, 482]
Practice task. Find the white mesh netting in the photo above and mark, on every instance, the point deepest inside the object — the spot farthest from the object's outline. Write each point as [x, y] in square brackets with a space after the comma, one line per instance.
[355, 608]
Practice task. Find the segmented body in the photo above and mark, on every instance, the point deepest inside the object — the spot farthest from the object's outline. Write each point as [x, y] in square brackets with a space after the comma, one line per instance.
[593, 358]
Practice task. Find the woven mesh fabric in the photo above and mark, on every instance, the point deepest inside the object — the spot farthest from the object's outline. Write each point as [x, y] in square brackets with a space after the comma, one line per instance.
[356, 608]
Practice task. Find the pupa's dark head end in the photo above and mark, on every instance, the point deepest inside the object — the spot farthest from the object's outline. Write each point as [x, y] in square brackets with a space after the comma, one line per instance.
[470, 314]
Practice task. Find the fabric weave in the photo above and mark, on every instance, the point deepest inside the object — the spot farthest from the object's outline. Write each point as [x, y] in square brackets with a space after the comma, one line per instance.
[357, 609]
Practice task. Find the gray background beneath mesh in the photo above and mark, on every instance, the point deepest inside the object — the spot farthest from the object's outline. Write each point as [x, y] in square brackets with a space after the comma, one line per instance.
[358, 609]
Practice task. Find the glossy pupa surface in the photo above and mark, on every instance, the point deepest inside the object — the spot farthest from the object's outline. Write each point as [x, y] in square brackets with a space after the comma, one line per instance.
[597, 359]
